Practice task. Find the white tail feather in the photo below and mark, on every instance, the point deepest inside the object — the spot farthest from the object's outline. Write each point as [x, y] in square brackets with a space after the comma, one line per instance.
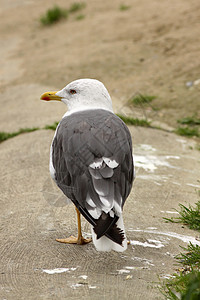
[105, 244]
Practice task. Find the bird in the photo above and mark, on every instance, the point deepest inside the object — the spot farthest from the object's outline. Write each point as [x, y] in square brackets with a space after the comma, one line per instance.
[91, 161]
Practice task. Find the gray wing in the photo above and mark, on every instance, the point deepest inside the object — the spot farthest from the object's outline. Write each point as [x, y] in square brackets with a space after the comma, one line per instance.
[92, 158]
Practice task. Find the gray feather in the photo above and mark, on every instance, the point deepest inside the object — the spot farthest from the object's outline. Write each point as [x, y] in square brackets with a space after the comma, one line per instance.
[82, 138]
[106, 172]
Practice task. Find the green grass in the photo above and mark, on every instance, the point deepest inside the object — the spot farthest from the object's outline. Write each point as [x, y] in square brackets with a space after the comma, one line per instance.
[189, 216]
[134, 121]
[7, 135]
[189, 121]
[77, 6]
[53, 15]
[52, 126]
[142, 99]
[191, 256]
[124, 7]
[80, 17]
[187, 131]
[190, 127]
[185, 284]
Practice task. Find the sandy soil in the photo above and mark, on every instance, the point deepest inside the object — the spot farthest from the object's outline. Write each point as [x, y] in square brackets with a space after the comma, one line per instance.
[152, 48]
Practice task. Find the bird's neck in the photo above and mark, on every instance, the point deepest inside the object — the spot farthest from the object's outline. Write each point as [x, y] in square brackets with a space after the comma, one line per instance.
[77, 106]
[84, 108]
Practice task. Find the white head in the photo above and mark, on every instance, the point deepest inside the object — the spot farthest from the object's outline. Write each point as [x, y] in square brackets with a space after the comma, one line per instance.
[82, 94]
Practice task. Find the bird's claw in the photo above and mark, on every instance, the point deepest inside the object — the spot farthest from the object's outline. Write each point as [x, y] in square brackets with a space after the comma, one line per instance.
[75, 240]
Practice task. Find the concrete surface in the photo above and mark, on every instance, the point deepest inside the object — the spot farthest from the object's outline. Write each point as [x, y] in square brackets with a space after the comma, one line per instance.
[34, 213]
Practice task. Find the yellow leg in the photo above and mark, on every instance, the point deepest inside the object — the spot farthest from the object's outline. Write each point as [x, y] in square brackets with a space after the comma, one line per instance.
[80, 240]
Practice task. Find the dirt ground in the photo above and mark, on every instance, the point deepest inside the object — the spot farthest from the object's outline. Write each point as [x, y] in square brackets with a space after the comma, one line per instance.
[151, 48]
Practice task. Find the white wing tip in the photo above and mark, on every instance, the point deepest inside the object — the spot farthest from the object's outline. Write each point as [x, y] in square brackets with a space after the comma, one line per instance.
[111, 163]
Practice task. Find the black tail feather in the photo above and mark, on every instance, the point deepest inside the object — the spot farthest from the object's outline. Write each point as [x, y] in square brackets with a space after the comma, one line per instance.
[116, 234]
[112, 232]
[106, 225]
[103, 224]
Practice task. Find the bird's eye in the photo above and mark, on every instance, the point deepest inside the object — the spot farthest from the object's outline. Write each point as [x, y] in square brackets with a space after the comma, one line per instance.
[72, 92]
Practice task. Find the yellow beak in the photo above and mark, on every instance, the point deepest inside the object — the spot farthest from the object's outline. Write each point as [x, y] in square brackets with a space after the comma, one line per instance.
[50, 96]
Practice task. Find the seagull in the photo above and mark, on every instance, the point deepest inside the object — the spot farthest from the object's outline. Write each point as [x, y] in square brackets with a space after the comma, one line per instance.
[91, 162]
